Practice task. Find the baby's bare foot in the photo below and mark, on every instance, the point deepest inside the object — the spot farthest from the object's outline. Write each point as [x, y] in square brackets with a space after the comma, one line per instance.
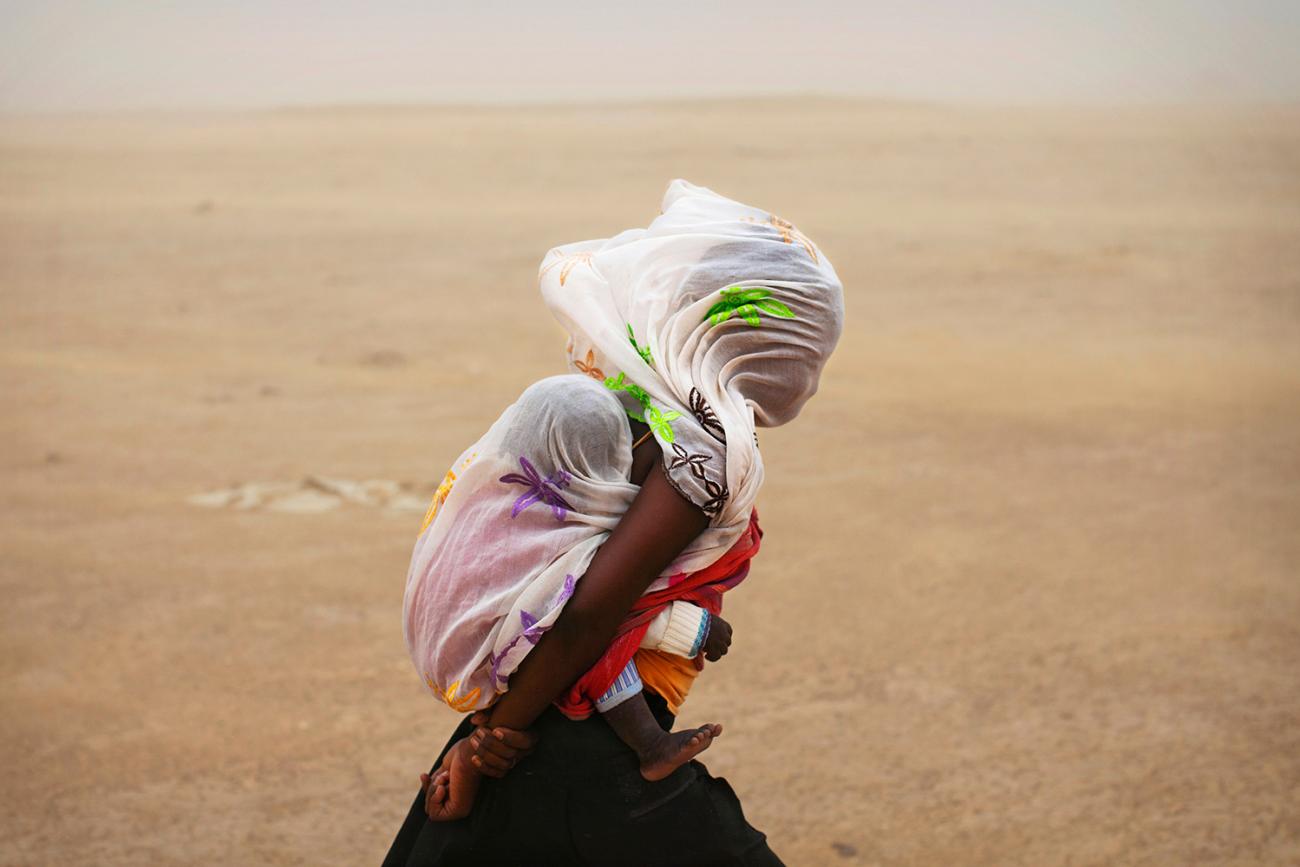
[676, 749]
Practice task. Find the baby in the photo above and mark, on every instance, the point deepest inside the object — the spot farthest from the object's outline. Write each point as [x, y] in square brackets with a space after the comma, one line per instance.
[496, 544]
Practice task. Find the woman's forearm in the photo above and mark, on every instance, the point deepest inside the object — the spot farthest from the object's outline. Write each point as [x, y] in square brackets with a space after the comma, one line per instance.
[654, 530]
[561, 657]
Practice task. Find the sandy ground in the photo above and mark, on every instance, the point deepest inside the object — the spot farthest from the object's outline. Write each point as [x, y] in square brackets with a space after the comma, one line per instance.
[1030, 591]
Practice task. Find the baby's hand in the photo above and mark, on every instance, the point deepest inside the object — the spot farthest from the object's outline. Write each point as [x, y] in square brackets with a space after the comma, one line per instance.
[718, 641]
[498, 749]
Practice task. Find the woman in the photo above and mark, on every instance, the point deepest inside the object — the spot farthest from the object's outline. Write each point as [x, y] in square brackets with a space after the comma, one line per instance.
[712, 321]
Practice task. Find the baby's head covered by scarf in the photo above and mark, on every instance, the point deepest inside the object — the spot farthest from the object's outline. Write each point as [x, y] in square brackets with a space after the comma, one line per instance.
[715, 319]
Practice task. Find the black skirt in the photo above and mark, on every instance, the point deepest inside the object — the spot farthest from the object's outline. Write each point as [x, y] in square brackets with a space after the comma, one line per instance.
[580, 799]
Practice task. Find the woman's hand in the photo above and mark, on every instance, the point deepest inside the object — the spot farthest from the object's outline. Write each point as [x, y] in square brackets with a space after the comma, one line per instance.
[497, 750]
[450, 792]
[718, 640]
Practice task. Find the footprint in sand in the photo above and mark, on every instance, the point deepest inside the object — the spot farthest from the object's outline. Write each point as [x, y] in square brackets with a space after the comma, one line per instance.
[316, 494]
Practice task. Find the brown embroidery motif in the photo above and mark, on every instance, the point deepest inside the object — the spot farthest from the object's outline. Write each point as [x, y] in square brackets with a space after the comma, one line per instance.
[787, 231]
[718, 493]
[705, 416]
[570, 262]
[589, 367]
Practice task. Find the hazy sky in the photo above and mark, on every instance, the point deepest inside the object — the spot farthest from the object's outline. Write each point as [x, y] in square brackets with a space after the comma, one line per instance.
[82, 54]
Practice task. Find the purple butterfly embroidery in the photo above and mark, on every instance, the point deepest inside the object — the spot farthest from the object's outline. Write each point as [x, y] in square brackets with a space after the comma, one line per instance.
[540, 490]
[532, 632]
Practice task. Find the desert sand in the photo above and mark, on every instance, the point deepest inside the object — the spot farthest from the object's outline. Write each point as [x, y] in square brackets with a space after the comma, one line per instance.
[1030, 589]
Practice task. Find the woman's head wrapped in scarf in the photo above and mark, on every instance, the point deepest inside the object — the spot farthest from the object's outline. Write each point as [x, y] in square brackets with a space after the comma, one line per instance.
[715, 319]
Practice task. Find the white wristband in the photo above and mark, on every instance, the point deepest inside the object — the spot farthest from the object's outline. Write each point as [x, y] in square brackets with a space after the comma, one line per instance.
[685, 630]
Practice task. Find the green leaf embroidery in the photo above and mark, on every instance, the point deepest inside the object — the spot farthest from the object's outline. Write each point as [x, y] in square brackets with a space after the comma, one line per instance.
[774, 307]
[655, 417]
[746, 294]
[658, 421]
[617, 383]
[643, 351]
[747, 302]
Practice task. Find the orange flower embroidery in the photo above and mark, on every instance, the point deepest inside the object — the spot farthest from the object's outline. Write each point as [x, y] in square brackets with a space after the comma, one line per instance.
[440, 495]
[570, 261]
[589, 367]
[462, 704]
[788, 232]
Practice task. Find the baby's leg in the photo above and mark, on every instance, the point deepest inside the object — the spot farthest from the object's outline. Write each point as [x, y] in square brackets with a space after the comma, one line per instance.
[661, 752]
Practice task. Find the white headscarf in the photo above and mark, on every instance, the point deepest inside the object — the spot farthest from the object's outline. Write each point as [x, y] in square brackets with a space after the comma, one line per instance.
[715, 318]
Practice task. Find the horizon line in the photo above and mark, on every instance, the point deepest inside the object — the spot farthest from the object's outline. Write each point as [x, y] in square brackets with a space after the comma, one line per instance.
[649, 99]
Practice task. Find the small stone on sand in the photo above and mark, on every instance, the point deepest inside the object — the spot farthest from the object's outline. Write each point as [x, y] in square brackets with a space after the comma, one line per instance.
[353, 492]
[213, 499]
[408, 503]
[305, 502]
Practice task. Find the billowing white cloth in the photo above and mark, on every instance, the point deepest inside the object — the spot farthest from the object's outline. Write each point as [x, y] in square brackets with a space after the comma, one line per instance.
[714, 319]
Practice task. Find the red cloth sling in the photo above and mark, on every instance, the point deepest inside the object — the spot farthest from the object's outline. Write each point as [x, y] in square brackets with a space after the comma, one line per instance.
[704, 588]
